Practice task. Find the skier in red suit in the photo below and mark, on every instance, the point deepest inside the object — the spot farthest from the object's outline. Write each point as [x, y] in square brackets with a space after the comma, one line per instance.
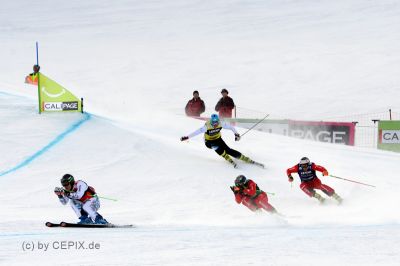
[309, 180]
[250, 195]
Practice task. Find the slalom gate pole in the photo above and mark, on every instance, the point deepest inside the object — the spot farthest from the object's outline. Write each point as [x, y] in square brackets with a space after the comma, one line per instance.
[37, 63]
[351, 181]
[255, 125]
[106, 198]
[37, 53]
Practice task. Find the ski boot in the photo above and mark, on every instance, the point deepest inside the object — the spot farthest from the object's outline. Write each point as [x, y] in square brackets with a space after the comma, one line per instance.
[274, 211]
[258, 211]
[84, 219]
[229, 159]
[318, 197]
[248, 160]
[100, 220]
[337, 197]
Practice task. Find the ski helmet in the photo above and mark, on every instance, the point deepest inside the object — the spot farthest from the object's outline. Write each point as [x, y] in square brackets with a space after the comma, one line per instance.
[67, 179]
[304, 161]
[240, 180]
[214, 119]
[36, 68]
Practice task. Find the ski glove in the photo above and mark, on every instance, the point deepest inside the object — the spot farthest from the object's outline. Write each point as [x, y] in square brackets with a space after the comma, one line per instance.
[325, 173]
[290, 178]
[66, 192]
[184, 138]
[58, 191]
[237, 137]
[235, 189]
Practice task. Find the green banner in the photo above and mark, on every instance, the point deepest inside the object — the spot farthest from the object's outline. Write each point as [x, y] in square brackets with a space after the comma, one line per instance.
[389, 135]
[55, 98]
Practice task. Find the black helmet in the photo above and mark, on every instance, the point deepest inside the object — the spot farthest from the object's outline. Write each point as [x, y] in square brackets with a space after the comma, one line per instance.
[36, 68]
[67, 179]
[240, 180]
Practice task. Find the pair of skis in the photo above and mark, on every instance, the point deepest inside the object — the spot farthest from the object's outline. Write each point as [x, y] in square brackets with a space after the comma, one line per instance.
[259, 164]
[109, 225]
[235, 165]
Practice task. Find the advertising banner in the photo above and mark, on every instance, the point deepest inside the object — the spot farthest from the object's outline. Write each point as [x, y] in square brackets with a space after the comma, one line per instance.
[389, 135]
[333, 132]
[55, 98]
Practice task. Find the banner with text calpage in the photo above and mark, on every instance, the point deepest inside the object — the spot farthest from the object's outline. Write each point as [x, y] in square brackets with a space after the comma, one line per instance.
[389, 135]
[54, 97]
[332, 132]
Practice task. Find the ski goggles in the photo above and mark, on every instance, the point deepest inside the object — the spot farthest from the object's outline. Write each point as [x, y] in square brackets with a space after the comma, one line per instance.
[66, 184]
[304, 165]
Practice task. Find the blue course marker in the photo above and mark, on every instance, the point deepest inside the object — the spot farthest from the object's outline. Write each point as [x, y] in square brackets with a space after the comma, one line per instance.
[43, 150]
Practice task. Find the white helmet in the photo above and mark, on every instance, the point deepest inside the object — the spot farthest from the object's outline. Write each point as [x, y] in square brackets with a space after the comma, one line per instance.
[304, 160]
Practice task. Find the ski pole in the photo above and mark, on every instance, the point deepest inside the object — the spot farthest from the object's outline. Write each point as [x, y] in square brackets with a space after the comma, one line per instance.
[351, 181]
[269, 193]
[95, 195]
[106, 198]
[255, 125]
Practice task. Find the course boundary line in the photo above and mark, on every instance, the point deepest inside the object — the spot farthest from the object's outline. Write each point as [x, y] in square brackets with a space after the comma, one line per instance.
[52, 143]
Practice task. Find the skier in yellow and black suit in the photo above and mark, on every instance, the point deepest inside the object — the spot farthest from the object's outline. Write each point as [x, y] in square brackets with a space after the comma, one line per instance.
[213, 140]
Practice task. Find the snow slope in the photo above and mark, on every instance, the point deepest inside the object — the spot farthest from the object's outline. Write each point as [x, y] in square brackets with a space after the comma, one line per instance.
[178, 195]
[136, 64]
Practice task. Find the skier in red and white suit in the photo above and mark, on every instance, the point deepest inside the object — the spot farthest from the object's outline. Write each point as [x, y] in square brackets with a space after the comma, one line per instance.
[309, 180]
[250, 195]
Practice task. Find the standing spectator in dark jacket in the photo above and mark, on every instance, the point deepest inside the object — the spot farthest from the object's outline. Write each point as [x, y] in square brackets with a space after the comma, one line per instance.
[225, 105]
[195, 106]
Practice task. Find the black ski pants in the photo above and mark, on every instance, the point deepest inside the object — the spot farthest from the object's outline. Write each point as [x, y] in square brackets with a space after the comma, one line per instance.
[219, 146]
